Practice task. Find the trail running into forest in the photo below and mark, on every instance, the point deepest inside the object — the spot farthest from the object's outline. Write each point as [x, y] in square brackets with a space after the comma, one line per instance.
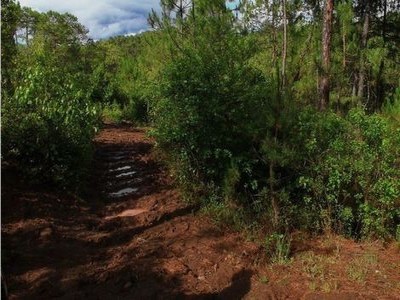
[132, 237]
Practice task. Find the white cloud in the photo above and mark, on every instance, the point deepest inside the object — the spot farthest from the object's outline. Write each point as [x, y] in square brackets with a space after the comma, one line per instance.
[103, 18]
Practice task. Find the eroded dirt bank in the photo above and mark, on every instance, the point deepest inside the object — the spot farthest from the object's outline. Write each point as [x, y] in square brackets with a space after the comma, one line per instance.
[133, 238]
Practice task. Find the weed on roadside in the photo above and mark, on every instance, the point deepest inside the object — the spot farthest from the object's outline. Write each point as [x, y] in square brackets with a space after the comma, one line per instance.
[318, 270]
[277, 247]
[264, 279]
[360, 267]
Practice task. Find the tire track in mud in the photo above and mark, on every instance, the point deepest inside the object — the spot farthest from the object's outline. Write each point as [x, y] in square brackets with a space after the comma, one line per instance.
[131, 238]
[136, 193]
[165, 250]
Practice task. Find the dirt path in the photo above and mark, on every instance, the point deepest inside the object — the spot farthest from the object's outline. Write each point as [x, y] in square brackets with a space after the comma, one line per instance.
[132, 237]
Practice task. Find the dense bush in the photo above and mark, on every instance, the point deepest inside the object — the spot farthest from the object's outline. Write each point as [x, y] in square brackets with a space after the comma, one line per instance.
[209, 115]
[348, 172]
[112, 113]
[235, 137]
[391, 108]
[48, 125]
[135, 111]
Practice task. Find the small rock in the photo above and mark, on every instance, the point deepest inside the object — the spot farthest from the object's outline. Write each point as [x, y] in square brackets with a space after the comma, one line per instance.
[201, 278]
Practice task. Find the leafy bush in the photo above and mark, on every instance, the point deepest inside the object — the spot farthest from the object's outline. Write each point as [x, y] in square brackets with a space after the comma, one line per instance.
[136, 111]
[349, 172]
[232, 135]
[112, 113]
[48, 125]
[277, 247]
[208, 115]
[391, 108]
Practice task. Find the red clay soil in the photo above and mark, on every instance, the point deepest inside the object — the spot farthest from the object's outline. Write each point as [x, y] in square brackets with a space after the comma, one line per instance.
[149, 244]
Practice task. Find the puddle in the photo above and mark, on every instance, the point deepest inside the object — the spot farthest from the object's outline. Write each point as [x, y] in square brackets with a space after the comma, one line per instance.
[121, 169]
[125, 174]
[129, 213]
[123, 192]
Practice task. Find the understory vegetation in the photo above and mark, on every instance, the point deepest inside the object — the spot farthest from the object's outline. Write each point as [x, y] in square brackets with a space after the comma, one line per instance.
[238, 104]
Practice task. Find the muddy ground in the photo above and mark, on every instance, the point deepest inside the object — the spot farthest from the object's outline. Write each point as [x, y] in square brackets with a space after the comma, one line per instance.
[132, 237]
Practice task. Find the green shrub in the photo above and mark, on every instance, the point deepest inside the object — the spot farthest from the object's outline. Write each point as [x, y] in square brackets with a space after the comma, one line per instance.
[391, 108]
[47, 127]
[277, 247]
[136, 111]
[112, 113]
[232, 134]
[349, 171]
[208, 116]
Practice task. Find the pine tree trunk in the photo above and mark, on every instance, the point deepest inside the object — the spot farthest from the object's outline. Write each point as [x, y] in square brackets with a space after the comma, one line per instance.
[284, 46]
[364, 40]
[326, 56]
[380, 85]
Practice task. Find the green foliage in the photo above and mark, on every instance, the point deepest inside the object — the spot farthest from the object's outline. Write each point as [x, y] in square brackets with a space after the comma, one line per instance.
[120, 78]
[48, 117]
[237, 130]
[202, 90]
[318, 269]
[112, 113]
[360, 267]
[233, 133]
[277, 247]
[10, 13]
[47, 126]
[226, 214]
[392, 107]
[137, 110]
[349, 171]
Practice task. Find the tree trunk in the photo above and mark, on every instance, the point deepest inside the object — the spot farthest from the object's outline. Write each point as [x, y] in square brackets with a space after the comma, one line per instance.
[326, 56]
[284, 46]
[27, 34]
[380, 88]
[274, 38]
[364, 40]
[272, 179]
[344, 46]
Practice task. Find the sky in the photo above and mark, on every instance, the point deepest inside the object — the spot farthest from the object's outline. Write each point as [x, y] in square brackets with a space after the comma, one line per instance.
[103, 18]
